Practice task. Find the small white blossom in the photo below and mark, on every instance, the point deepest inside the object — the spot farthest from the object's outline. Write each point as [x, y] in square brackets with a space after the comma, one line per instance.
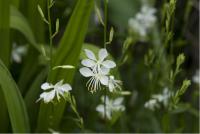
[143, 21]
[158, 99]
[196, 77]
[53, 91]
[164, 97]
[18, 52]
[97, 78]
[114, 84]
[152, 104]
[111, 106]
[97, 64]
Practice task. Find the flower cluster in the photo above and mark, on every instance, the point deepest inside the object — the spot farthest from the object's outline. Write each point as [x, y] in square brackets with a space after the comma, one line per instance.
[158, 99]
[111, 106]
[143, 21]
[98, 70]
[54, 91]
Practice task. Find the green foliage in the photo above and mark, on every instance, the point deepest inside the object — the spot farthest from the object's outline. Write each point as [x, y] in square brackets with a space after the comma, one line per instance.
[5, 51]
[181, 91]
[5, 48]
[15, 103]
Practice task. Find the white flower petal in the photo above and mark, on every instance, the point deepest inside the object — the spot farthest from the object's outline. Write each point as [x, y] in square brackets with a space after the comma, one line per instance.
[104, 80]
[118, 101]
[108, 114]
[65, 88]
[86, 72]
[59, 83]
[48, 96]
[104, 71]
[100, 108]
[88, 63]
[111, 86]
[109, 64]
[90, 54]
[16, 57]
[46, 86]
[102, 54]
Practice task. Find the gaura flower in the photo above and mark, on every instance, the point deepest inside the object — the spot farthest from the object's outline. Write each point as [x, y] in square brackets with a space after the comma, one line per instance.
[158, 99]
[164, 97]
[97, 78]
[143, 21]
[54, 91]
[152, 104]
[111, 106]
[97, 63]
[114, 84]
[18, 52]
[98, 71]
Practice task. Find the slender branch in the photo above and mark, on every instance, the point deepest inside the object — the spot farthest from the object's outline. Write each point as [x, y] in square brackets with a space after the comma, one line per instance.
[105, 40]
[105, 22]
[50, 32]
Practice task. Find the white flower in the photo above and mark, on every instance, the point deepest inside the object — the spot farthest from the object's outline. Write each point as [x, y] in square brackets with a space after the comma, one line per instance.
[18, 52]
[158, 99]
[152, 104]
[51, 91]
[143, 21]
[113, 84]
[196, 77]
[97, 78]
[111, 107]
[97, 64]
[164, 97]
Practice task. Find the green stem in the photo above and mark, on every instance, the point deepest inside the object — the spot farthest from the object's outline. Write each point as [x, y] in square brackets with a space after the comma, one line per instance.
[105, 22]
[105, 39]
[50, 33]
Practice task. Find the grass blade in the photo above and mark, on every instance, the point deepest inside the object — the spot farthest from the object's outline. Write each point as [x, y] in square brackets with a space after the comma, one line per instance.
[5, 46]
[32, 96]
[4, 55]
[15, 104]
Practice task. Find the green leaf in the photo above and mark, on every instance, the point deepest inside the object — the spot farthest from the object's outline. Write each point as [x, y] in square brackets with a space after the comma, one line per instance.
[15, 104]
[19, 22]
[4, 55]
[16, 3]
[67, 54]
[30, 11]
[32, 95]
[5, 46]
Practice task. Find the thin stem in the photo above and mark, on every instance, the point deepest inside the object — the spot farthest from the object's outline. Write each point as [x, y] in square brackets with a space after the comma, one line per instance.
[50, 32]
[105, 40]
[105, 21]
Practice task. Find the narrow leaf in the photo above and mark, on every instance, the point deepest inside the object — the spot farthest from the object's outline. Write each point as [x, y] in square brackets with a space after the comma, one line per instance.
[15, 104]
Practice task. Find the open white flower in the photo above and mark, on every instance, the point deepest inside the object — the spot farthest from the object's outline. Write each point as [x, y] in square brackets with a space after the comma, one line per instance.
[97, 78]
[111, 106]
[164, 97]
[18, 52]
[96, 64]
[143, 21]
[152, 104]
[158, 99]
[51, 91]
[114, 84]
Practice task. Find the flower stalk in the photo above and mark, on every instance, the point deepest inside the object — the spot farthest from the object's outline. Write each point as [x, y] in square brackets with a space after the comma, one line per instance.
[49, 5]
[105, 40]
